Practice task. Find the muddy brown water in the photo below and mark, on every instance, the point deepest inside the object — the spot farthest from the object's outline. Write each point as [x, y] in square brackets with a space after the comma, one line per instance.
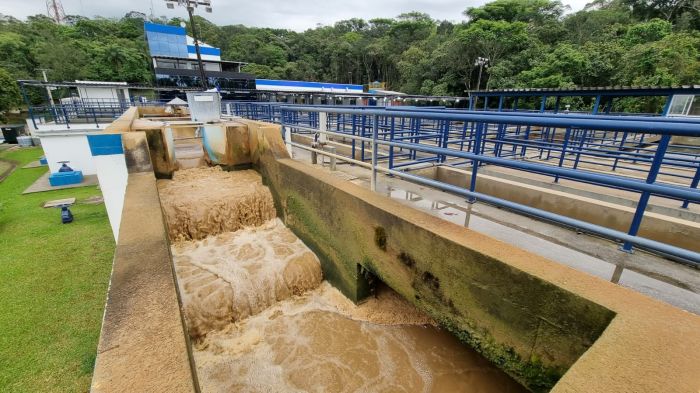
[262, 319]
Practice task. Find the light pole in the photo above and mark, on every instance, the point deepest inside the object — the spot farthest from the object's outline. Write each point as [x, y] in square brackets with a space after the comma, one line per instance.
[191, 5]
[481, 62]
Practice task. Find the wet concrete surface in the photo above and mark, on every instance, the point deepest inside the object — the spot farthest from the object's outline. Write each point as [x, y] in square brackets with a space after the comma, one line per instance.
[654, 276]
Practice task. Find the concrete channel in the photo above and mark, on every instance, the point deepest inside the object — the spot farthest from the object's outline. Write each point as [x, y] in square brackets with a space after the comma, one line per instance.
[539, 323]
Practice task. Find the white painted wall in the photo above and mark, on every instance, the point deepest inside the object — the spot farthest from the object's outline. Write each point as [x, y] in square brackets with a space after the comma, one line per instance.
[73, 148]
[113, 176]
[108, 93]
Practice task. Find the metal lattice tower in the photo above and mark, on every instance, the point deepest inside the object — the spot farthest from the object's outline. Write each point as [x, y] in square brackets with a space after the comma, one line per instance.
[54, 9]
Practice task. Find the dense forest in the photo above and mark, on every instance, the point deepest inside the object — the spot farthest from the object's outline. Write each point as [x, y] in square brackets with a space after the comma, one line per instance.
[529, 43]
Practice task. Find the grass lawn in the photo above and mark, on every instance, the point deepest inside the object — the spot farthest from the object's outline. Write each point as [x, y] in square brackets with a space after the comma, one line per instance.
[5, 166]
[53, 284]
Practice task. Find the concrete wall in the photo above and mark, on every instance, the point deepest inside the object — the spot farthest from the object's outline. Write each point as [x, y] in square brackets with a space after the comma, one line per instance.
[670, 230]
[540, 321]
[73, 148]
[533, 330]
[143, 343]
[546, 324]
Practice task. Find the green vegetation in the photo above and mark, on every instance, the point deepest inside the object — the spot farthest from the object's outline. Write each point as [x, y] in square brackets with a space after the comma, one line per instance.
[53, 284]
[530, 43]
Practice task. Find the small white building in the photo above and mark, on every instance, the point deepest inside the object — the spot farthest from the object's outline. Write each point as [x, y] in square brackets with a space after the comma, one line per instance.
[102, 91]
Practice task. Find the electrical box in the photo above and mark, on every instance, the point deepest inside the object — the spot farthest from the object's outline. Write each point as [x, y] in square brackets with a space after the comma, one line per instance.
[204, 107]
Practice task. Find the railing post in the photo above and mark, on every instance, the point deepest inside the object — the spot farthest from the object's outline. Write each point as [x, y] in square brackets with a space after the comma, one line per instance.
[391, 138]
[526, 139]
[65, 116]
[331, 149]
[564, 146]
[375, 132]
[323, 126]
[644, 199]
[693, 184]
[475, 163]
[584, 136]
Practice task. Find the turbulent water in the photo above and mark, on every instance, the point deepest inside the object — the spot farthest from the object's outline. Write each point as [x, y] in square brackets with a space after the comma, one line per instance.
[202, 202]
[228, 277]
[263, 321]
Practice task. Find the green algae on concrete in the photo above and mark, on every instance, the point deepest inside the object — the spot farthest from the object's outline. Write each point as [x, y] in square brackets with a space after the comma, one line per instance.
[532, 329]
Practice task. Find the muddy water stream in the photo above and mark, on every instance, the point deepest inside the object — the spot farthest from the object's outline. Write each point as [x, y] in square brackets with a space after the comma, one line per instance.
[262, 319]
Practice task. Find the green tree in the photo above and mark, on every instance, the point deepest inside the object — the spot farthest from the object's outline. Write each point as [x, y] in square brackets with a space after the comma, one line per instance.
[535, 11]
[9, 93]
[653, 30]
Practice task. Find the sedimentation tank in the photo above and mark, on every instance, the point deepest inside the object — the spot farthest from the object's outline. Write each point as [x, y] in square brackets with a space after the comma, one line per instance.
[240, 269]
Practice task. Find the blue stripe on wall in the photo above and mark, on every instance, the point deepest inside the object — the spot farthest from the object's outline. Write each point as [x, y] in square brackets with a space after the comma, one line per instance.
[105, 145]
[204, 50]
[313, 85]
[156, 28]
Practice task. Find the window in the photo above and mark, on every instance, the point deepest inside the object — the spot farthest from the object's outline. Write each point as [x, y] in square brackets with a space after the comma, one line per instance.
[162, 63]
[694, 109]
[212, 66]
[680, 105]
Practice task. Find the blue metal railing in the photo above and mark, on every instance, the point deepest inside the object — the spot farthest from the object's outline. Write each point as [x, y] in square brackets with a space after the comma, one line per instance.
[83, 110]
[637, 149]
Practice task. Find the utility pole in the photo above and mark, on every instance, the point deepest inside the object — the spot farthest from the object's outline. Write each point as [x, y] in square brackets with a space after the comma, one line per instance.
[190, 5]
[481, 62]
[48, 89]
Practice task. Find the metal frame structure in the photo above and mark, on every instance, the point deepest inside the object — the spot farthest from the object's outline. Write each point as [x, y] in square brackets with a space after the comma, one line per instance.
[392, 140]
[603, 97]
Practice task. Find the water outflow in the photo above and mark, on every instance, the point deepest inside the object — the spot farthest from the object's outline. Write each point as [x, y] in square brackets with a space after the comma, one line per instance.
[231, 276]
[246, 260]
[203, 202]
[263, 321]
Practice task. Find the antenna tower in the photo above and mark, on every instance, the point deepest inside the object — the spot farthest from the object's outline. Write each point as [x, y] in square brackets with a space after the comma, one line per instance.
[54, 9]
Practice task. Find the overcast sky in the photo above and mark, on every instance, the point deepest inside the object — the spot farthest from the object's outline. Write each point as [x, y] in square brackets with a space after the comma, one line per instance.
[292, 14]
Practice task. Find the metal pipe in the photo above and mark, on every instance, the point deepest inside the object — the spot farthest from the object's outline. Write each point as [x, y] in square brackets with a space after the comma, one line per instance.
[610, 180]
[686, 255]
[634, 126]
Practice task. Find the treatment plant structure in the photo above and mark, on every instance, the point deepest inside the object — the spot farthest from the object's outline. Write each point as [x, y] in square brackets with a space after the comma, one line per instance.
[267, 245]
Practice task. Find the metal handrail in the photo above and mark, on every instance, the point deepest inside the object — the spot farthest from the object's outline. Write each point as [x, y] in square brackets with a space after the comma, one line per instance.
[646, 188]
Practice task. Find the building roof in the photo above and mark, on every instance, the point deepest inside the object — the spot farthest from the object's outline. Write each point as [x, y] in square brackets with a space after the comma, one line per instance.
[96, 83]
[593, 91]
[36, 83]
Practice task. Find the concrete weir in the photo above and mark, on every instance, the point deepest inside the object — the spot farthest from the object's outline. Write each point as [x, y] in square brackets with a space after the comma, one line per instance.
[548, 326]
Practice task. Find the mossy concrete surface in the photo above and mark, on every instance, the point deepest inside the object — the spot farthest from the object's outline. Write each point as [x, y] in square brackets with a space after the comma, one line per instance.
[546, 324]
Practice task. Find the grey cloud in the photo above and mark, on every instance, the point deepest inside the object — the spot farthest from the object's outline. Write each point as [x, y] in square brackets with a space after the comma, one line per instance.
[297, 15]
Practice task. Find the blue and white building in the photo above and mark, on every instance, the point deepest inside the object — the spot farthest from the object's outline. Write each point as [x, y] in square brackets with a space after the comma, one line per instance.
[175, 64]
[174, 59]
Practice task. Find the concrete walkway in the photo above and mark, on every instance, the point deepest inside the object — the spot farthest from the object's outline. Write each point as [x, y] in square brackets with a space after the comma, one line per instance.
[42, 184]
